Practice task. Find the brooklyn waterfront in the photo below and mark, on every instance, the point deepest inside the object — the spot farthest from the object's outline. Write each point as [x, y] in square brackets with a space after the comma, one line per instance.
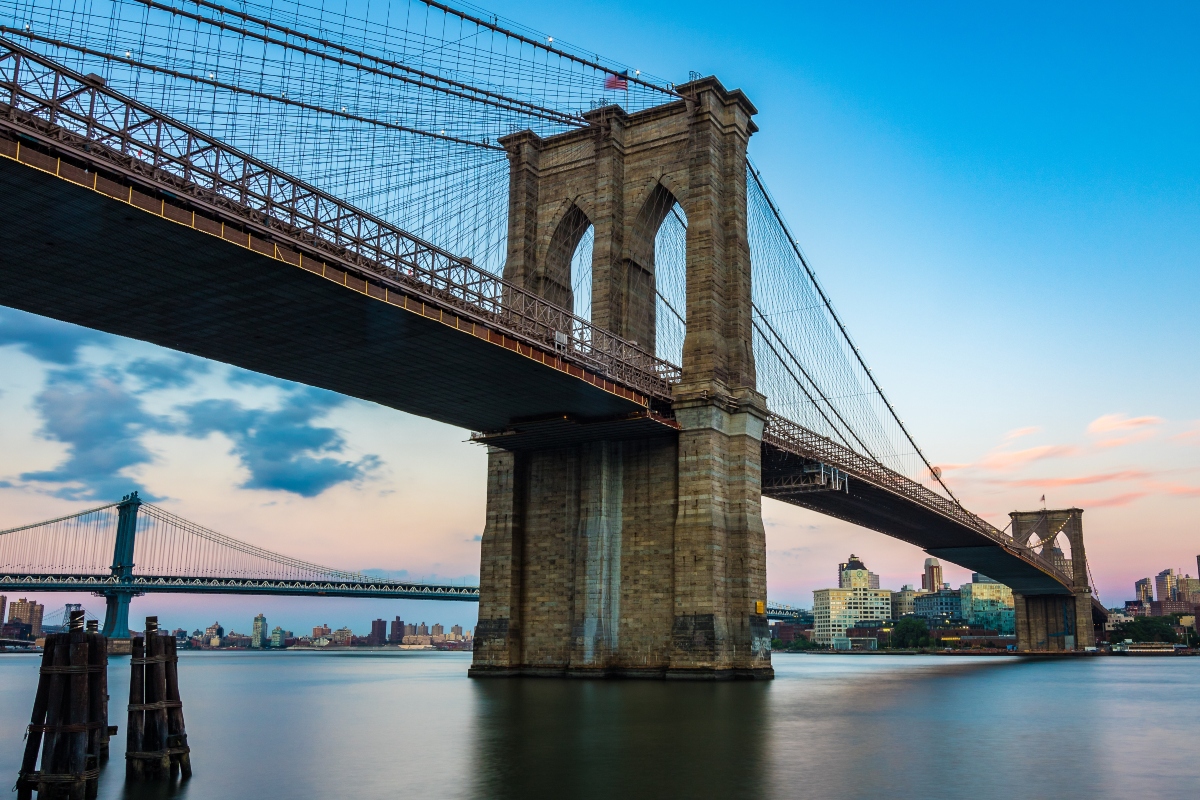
[324, 725]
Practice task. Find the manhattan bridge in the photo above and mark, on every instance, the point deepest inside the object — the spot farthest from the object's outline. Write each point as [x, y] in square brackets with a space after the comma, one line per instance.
[438, 210]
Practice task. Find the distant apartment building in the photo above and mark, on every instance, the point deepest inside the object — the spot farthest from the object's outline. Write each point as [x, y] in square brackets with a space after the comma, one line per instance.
[437, 630]
[3, 606]
[29, 612]
[903, 600]
[322, 631]
[279, 637]
[854, 601]
[422, 629]
[1143, 590]
[396, 635]
[258, 633]
[931, 578]
[456, 630]
[378, 634]
[410, 629]
[984, 603]
[1166, 585]
[342, 636]
[945, 604]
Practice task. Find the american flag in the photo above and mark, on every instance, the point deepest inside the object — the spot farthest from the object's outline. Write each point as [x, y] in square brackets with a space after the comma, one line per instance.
[614, 81]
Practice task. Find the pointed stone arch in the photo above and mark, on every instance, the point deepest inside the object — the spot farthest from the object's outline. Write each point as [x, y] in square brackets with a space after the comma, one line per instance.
[553, 278]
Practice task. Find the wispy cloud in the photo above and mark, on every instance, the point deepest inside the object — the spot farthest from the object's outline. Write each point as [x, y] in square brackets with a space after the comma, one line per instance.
[1080, 480]
[1116, 500]
[1017, 433]
[1110, 423]
[1011, 459]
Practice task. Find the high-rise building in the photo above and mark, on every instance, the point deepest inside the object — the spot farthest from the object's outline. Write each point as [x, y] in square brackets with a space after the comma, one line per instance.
[322, 630]
[1144, 590]
[410, 629]
[852, 573]
[214, 631]
[258, 633]
[1189, 589]
[854, 601]
[1061, 562]
[437, 630]
[396, 635]
[422, 629]
[931, 581]
[27, 611]
[456, 631]
[1165, 585]
[279, 636]
[378, 632]
[342, 636]
[984, 603]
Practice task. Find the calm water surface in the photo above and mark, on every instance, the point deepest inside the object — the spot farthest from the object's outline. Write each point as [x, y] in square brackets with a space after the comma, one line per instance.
[329, 725]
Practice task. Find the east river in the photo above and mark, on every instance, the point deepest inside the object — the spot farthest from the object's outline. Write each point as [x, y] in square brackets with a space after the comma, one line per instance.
[412, 725]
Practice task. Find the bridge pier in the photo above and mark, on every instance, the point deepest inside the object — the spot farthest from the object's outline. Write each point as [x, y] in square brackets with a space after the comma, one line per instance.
[639, 551]
[1055, 623]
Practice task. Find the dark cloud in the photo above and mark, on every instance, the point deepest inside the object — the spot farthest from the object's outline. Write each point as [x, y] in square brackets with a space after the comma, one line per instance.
[97, 413]
[172, 372]
[43, 338]
[282, 448]
[101, 424]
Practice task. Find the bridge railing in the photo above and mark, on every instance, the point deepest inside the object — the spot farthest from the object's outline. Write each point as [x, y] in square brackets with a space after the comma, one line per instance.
[793, 438]
[68, 111]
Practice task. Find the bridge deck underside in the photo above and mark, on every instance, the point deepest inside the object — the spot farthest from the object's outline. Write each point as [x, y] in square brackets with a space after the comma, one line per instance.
[73, 254]
[879, 509]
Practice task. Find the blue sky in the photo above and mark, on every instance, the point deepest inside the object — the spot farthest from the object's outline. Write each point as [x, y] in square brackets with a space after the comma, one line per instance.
[1003, 203]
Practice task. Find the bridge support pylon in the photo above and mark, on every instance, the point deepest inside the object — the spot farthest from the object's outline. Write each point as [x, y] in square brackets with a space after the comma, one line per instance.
[116, 613]
[1055, 622]
[638, 553]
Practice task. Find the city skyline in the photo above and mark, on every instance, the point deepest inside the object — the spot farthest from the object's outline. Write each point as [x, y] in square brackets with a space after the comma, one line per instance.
[903, 185]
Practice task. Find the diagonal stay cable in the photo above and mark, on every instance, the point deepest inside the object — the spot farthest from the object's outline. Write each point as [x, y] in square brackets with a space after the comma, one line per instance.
[427, 80]
[229, 87]
[937, 475]
[811, 381]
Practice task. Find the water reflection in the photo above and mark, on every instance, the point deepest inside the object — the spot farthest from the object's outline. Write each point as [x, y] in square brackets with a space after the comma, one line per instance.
[634, 739]
[323, 725]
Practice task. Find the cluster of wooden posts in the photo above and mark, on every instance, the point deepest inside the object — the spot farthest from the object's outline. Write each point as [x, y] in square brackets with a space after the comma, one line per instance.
[70, 726]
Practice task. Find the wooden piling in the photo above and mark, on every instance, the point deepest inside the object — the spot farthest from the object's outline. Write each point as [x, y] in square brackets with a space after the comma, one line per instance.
[181, 754]
[157, 744]
[65, 718]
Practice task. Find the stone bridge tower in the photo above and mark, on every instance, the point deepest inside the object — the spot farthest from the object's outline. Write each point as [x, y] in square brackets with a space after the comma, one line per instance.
[644, 556]
[1055, 622]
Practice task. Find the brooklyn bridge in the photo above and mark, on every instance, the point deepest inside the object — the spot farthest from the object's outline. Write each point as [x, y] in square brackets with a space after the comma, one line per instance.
[575, 261]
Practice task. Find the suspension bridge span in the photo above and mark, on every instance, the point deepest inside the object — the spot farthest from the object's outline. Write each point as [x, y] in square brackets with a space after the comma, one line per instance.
[467, 221]
[122, 550]
[154, 551]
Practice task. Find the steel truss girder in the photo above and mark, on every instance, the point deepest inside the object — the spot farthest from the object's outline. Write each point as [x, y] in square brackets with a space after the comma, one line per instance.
[115, 133]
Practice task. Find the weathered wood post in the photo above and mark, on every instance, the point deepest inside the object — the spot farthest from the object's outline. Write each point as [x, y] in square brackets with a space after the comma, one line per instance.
[156, 742]
[67, 717]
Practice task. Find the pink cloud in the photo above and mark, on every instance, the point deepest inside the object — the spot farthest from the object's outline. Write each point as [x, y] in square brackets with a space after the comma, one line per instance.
[1017, 433]
[1016, 458]
[1081, 480]
[1190, 435]
[1121, 441]
[1120, 422]
[1116, 500]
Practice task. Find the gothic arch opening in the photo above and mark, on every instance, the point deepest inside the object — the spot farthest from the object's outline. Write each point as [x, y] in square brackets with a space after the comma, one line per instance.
[656, 276]
[566, 278]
